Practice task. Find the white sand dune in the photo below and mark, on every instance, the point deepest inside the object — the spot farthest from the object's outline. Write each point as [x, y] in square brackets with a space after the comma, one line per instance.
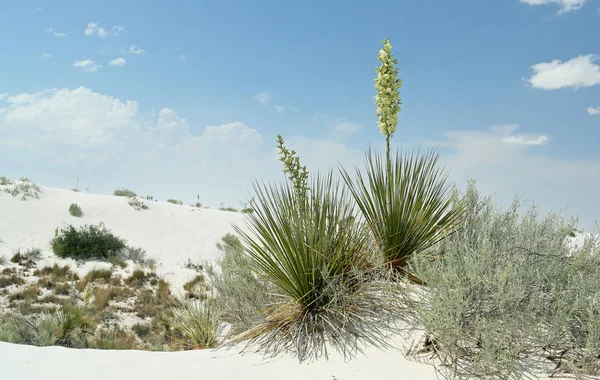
[171, 234]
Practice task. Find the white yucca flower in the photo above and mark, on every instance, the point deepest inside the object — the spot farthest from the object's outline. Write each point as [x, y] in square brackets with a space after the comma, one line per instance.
[388, 86]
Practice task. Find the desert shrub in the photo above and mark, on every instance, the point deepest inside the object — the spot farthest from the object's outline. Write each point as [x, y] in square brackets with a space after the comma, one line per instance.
[302, 246]
[89, 242]
[139, 256]
[229, 208]
[194, 324]
[196, 287]
[247, 210]
[52, 298]
[407, 205]
[37, 331]
[175, 202]
[4, 181]
[75, 210]
[25, 189]
[139, 277]
[27, 258]
[30, 293]
[507, 287]
[242, 295]
[124, 193]
[141, 330]
[61, 289]
[195, 266]
[13, 279]
[137, 204]
[102, 276]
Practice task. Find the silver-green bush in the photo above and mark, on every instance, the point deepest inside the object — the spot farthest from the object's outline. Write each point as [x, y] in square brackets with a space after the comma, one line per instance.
[506, 287]
[75, 210]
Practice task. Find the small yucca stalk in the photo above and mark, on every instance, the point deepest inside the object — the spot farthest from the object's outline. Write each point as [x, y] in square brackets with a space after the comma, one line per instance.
[297, 174]
[387, 99]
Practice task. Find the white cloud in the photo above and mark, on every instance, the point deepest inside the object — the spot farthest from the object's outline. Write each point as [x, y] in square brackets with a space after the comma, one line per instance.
[133, 49]
[46, 55]
[262, 98]
[522, 140]
[593, 110]
[565, 5]
[55, 33]
[346, 127]
[577, 72]
[3, 95]
[93, 28]
[87, 65]
[119, 62]
[58, 134]
[118, 29]
[280, 109]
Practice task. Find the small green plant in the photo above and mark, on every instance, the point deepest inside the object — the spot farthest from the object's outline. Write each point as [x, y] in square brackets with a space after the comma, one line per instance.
[113, 339]
[195, 324]
[229, 208]
[124, 193]
[195, 266]
[4, 181]
[198, 204]
[25, 189]
[141, 330]
[75, 210]
[89, 242]
[175, 202]
[196, 287]
[137, 204]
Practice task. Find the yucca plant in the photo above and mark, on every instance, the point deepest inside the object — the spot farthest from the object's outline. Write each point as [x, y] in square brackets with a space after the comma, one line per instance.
[315, 260]
[408, 208]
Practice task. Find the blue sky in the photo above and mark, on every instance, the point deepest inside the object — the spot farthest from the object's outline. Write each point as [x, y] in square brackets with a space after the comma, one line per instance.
[198, 90]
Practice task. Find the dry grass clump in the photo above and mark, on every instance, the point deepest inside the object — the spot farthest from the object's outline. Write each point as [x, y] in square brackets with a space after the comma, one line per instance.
[193, 324]
[29, 293]
[101, 276]
[57, 273]
[139, 278]
[196, 287]
[10, 280]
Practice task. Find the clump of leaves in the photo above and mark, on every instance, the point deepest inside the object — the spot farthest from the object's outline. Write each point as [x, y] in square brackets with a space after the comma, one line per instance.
[75, 210]
[137, 204]
[89, 242]
[124, 193]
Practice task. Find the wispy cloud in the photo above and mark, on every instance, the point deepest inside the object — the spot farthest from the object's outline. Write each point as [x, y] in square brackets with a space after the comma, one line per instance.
[87, 65]
[132, 49]
[280, 109]
[593, 110]
[55, 33]
[565, 6]
[118, 29]
[577, 72]
[118, 62]
[3, 95]
[46, 55]
[346, 128]
[93, 28]
[262, 98]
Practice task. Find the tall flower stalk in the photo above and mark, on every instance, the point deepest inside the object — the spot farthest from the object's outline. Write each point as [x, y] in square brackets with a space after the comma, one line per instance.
[387, 99]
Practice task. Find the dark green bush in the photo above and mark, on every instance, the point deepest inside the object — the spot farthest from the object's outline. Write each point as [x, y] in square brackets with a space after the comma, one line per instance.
[89, 242]
[124, 193]
[75, 210]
